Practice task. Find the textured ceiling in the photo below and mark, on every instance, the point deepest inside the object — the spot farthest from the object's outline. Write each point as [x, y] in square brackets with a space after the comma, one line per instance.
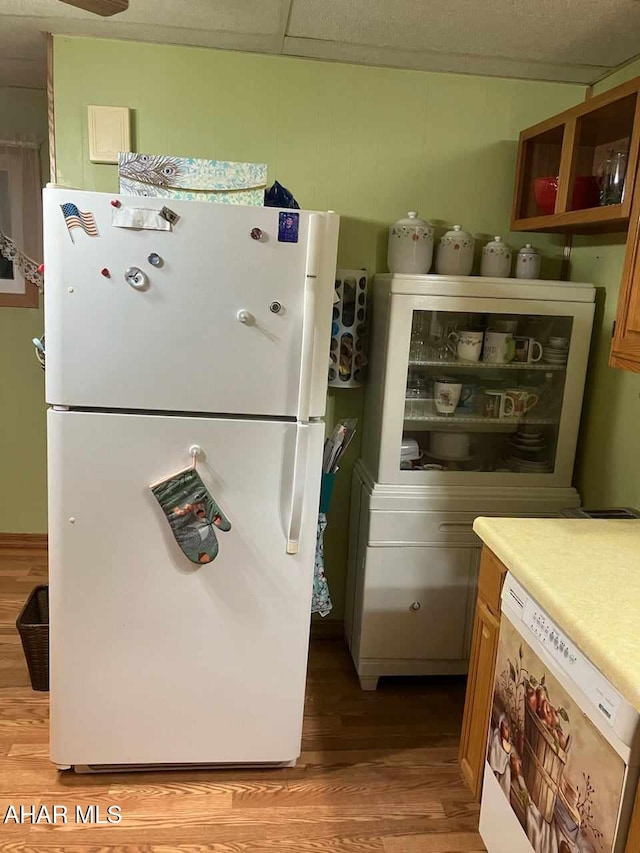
[564, 40]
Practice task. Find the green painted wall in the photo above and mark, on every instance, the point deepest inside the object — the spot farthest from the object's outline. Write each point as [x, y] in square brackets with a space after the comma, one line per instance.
[23, 499]
[609, 448]
[370, 143]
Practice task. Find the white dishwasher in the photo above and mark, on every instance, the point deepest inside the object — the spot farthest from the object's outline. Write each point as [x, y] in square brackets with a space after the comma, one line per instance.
[562, 761]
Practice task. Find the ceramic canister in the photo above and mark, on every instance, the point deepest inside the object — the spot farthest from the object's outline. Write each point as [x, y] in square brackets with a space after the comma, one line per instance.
[496, 259]
[528, 262]
[455, 253]
[410, 245]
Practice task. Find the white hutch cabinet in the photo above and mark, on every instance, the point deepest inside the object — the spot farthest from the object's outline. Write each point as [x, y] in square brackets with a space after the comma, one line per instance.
[446, 440]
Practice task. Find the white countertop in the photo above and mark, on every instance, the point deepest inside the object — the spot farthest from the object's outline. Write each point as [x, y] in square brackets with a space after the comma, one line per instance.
[586, 575]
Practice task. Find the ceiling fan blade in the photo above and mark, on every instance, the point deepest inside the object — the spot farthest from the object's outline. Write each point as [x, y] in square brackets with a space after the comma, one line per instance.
[106, 8]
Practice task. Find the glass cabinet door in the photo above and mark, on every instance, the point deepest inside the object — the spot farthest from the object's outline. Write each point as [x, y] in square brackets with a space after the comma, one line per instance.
[484, 391]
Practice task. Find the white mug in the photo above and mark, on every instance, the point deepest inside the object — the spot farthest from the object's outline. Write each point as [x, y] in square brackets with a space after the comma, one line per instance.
[497, 404]
[468, 345]
[525, 348]
[499, 347]
[446, 394]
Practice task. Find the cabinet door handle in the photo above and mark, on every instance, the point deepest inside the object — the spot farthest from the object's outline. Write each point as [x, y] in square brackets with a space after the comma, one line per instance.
[456, 527]
[416, 605]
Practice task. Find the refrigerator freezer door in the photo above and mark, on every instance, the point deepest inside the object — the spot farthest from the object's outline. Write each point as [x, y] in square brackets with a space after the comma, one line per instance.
[156, 659]
[205, 317]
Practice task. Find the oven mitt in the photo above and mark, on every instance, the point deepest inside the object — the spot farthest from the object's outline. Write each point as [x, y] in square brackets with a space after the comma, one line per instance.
[192, 514]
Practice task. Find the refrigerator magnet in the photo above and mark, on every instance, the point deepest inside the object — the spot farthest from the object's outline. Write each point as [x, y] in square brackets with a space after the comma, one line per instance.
[170, 215]
[76, 218]
[288, 223]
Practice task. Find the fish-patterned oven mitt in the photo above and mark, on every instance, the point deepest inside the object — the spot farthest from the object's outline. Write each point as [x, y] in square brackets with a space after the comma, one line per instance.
[193, 515]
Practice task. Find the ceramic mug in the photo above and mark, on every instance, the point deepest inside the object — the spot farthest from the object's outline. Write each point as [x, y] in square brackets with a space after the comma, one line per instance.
[499, 347]
[525, 349]
[447, 393]
[468, 345]
[497, 404]
[469, 397]
[521, 400]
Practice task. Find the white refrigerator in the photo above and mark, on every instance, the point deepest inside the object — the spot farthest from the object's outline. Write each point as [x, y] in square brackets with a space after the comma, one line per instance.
[210, 332]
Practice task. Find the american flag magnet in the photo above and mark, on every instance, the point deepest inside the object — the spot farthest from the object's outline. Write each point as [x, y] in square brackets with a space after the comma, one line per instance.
[76, 218]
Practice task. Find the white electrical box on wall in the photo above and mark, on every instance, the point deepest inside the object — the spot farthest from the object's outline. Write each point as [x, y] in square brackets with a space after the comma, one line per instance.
[109, 133]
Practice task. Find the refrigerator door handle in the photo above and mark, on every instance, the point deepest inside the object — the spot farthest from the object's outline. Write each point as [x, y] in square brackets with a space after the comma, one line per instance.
[297, 488]
[312, 274]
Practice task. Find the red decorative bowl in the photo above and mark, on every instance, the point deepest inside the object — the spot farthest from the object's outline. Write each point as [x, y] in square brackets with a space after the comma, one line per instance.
[546, 190]
[586, 193]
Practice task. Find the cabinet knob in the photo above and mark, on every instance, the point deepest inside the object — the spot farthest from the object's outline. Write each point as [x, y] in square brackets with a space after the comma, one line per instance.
[245, 317]
[416, 605]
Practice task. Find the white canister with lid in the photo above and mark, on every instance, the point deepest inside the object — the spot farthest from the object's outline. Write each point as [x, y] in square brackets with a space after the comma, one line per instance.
[410, 245]
[496, 259]
[528, 262]
[455, 253]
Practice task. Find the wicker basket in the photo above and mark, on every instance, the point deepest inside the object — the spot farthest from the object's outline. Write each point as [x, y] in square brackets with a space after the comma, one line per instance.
[33, 626]
[542, 764]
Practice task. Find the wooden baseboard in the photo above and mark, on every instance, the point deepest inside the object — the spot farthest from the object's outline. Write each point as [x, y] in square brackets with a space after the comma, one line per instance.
[23, 540]
[327, 629]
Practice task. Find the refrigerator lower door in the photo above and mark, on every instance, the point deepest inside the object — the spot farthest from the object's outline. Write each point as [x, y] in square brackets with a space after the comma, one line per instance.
[155, 659]
[230, 311]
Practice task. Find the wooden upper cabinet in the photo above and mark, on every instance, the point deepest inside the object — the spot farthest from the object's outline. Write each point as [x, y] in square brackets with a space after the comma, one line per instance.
[570, 149]
[625, 348]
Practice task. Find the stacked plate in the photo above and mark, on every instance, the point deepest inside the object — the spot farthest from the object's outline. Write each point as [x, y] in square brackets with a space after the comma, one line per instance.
[555, 355]
[528, 453]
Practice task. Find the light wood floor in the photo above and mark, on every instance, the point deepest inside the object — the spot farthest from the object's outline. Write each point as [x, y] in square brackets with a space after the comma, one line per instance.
[378, 771]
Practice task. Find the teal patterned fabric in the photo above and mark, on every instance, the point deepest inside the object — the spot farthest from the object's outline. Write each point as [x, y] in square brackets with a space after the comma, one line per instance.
[320, 600]
[193, 515]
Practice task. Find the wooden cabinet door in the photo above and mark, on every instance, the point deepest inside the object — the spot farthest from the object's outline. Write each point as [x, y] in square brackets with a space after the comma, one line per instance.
[473, 744]
[633, 839]
[625, 349]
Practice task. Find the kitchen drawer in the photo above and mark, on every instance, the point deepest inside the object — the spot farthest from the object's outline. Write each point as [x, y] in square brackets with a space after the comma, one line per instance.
[414, 528]
[416, 602]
